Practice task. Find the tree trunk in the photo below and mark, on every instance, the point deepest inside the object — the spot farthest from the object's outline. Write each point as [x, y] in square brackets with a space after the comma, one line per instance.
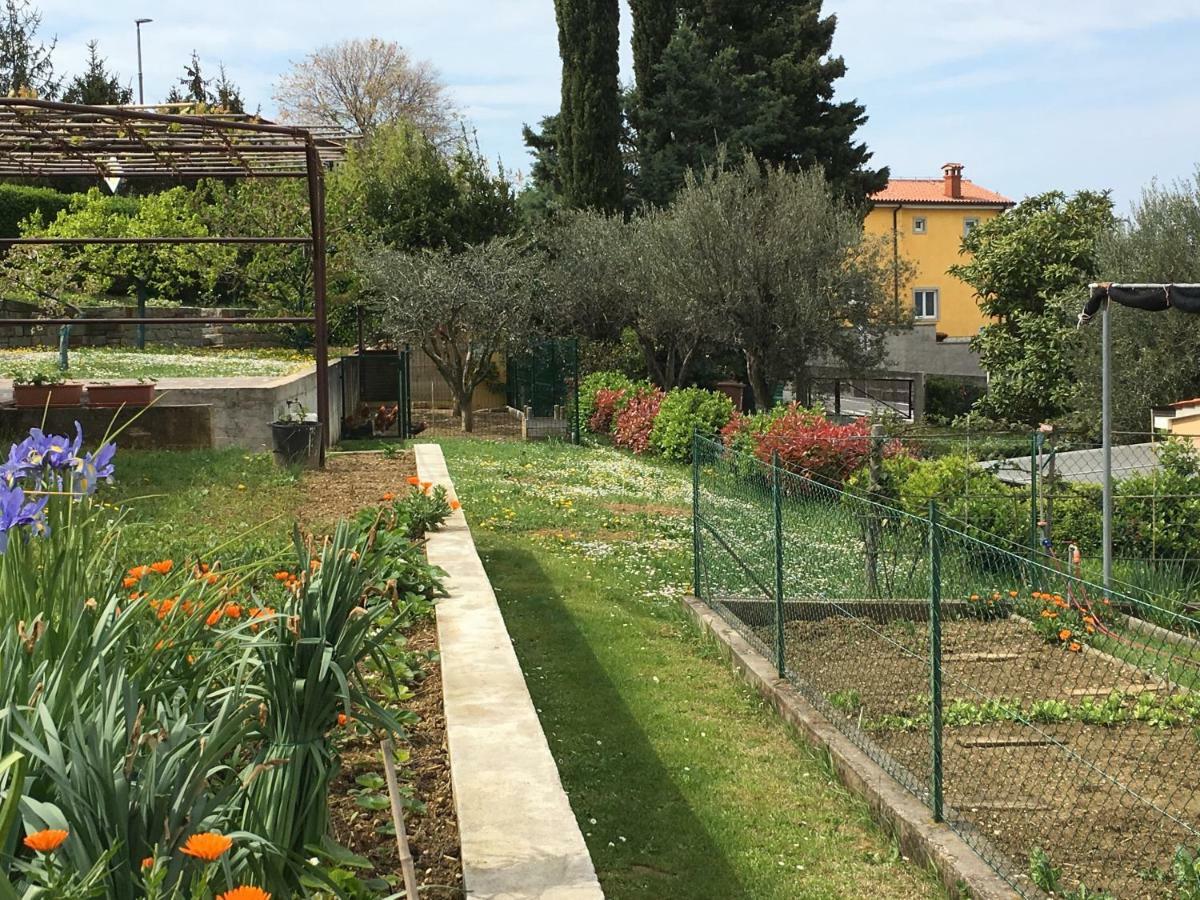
[763, 397]
[468, 417]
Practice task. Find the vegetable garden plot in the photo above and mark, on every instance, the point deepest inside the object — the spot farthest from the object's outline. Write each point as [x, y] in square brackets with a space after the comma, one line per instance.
[1033, 711]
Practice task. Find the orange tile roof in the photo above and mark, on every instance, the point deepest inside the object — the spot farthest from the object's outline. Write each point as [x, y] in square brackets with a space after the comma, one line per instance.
[932, 190]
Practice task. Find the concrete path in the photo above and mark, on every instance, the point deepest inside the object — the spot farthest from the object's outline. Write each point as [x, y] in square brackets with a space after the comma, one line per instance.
[520, 840]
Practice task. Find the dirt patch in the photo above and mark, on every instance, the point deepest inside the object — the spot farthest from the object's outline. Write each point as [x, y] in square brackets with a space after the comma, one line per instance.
[653, 509]
[1090, 795]
[433, 832]
[351, 481]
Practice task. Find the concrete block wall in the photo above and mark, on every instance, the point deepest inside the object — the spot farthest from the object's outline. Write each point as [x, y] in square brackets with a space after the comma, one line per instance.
[244, 408]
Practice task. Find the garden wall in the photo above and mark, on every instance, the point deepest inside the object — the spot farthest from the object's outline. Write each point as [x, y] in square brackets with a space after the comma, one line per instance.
[100, 327]
[243, 408]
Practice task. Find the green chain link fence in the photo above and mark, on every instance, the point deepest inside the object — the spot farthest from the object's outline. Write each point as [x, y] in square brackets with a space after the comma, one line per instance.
[1053, 725]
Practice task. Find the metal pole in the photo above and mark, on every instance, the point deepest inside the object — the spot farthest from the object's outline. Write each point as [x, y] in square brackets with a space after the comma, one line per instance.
[64, 340]
[1034, 464]
[141, 85]
[316, 209]
[777, 503]
[696, 515]
[141, 310]
[935, 660]
[1106, 429]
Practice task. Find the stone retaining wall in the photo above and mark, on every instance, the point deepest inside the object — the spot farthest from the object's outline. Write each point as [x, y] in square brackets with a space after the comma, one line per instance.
[99, 326]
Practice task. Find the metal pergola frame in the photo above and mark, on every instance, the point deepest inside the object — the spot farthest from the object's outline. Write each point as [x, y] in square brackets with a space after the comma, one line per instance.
[1101, 296]
[49, 140]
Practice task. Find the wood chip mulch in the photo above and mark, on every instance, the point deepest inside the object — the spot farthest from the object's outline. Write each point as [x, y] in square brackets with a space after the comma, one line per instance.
[349, 483]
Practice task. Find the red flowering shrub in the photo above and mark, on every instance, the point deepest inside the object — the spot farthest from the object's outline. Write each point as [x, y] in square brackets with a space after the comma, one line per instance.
[809, 443]
[634, 423]
[606, 405]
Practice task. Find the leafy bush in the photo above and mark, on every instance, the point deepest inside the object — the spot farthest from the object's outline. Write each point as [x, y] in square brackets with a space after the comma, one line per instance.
[809, 443]
[947, 398]
[968, 496]
[683, 412]
[18, 202]
[605, 406]
[1075, 511]
[616, 387]
[1158, 514]
[635, 422]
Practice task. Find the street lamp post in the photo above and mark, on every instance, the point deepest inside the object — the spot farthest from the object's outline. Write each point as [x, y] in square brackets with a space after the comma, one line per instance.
[141, 88]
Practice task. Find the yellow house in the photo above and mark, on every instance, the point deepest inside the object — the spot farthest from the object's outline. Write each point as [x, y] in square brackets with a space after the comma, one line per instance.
[925, 220]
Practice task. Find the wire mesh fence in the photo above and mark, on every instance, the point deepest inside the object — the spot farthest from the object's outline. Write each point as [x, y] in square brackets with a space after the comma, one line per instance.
[1048, 721]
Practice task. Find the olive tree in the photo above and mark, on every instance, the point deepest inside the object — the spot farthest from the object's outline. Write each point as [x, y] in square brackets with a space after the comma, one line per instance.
[607, 274]
[782, 268]
[462, 309]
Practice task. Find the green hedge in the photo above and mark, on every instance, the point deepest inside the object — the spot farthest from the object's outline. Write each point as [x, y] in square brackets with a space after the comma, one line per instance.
[18, 202]
[686, 411]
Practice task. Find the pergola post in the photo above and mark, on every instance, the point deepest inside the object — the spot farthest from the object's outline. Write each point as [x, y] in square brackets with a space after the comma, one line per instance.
[316, 207]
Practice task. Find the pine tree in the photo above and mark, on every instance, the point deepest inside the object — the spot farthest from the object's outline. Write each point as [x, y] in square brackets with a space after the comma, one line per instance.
[752, 75]
[26, 67]
[97, 85]
[221, 93]
[589, 127]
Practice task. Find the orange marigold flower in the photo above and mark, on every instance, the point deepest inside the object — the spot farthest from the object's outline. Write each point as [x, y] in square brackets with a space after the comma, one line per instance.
[426, 485]
[214, 617]
[314, 564]
[139, 572]
[282, 576]
[342, 719]
[245, 892]
[128, 582]
[206, 845]
[1049, 614]
[1064, 634]
[974, 596]
[1075, 647]
[454, 504]
[388, 497]
[46, 841]
[233, 610]
[162, 567]
[147, 863]
[1012, 594]
[414, 480]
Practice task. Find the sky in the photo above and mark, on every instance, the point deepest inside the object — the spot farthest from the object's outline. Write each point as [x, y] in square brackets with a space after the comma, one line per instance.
[1030, 95]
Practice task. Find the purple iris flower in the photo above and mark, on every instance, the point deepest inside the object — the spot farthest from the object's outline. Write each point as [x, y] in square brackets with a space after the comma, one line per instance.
[91, 468]
[56, 451]
[15, 512]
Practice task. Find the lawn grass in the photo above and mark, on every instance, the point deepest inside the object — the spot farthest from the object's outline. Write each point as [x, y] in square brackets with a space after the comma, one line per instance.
[157, 361]
[184, 504]
[684, 783]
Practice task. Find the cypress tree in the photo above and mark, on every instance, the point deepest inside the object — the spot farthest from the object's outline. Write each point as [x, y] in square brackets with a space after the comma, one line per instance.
[757, 76]
[654, 22]
[589, 127]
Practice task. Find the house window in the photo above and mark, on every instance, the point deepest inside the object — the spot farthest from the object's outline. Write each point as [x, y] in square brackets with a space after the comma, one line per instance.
[925, 303]
[919, 226]
[969, 224]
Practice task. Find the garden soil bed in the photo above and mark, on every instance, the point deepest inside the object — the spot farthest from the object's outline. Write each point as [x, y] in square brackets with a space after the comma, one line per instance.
[1068, 787]
[349, 483]
[433, 833]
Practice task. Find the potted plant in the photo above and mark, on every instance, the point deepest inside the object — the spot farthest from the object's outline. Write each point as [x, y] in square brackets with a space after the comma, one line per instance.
[121, 393]
[296, 437]
[39, 387]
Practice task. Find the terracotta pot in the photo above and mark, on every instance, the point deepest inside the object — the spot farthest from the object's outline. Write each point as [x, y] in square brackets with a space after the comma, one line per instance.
[120, 394]
[37, 395]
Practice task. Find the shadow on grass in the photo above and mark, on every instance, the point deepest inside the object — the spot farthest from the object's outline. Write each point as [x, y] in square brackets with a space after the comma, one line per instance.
[644, 838]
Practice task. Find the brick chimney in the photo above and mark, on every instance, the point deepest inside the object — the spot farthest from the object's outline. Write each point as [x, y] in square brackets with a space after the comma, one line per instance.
[952, 180]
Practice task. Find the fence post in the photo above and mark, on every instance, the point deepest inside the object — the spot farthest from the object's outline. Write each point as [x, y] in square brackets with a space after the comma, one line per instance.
[696, 515]
[1034, 465]
[874, 486]
[935, 659]
[777, 503]
[576, 427]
